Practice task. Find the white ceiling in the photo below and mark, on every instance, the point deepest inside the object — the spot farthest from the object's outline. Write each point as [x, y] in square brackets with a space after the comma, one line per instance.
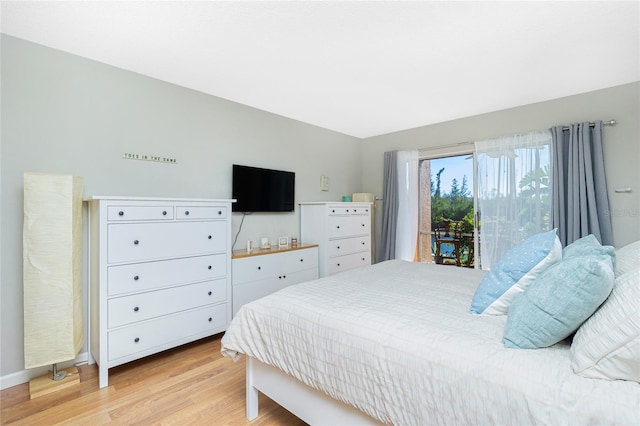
[360, 68]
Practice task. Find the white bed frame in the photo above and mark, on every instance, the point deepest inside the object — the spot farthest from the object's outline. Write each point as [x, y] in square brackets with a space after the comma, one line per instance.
[310, 405]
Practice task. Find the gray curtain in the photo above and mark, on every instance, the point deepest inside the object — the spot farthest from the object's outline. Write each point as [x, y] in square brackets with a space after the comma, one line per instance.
[387, 248]
[580, 199]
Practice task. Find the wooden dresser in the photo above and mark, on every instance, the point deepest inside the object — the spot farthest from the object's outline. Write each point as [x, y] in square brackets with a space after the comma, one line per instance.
[160, 274]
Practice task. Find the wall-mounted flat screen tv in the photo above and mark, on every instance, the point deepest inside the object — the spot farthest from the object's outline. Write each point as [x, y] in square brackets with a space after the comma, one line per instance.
[262, 190]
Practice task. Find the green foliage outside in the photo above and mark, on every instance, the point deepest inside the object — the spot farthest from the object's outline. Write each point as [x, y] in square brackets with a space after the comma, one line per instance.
[534, 197]
[456, 205]
[535, 192]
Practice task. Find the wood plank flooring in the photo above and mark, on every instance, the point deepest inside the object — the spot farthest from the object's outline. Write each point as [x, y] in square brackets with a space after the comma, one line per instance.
[189, 385]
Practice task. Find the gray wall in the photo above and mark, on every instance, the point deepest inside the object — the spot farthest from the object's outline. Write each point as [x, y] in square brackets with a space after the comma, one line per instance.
[65, 114]
[621, 143]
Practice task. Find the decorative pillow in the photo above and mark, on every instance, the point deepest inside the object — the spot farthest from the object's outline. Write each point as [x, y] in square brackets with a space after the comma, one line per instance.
[587, 246]
[627, 258]
[561, 299]
[514, 271]
[607, 346]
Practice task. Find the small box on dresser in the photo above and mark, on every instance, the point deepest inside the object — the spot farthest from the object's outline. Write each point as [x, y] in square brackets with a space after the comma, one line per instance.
[160, 275]
[342, 231]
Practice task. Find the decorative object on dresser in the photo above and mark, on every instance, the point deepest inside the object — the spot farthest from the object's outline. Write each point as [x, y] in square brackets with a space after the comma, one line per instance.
[342, 232]
[265, 243]
[52, 277]
[262, 272]
[160, 275]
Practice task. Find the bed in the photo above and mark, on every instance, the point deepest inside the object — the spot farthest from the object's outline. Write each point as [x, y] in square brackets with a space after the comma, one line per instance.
[395, 343]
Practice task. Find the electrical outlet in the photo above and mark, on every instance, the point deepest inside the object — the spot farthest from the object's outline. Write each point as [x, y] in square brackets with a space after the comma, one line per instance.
[324, 183]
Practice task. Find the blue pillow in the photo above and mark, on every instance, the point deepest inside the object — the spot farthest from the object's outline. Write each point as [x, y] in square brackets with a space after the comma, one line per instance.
[589, 245]
[561, 299]
[514, 271]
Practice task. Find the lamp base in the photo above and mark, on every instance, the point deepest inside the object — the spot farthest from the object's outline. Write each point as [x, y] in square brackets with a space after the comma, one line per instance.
[44, 385]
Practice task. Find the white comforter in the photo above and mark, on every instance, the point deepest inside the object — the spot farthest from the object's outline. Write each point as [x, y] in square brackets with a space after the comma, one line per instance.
[397, 341]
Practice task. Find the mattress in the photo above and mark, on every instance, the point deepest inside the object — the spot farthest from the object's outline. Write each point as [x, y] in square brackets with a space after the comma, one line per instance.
[397, 341]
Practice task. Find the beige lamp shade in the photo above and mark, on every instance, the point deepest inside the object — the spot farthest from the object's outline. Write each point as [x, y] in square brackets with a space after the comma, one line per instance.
[52, 268]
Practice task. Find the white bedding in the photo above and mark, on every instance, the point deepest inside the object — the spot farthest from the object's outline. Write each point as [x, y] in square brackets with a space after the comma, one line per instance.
[397, 341]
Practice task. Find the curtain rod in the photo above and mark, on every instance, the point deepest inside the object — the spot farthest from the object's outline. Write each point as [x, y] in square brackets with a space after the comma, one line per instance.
[604, 123]
[467, 143]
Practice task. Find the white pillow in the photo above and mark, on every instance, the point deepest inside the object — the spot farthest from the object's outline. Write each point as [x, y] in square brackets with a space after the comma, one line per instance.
[607, 345]
[627, 258]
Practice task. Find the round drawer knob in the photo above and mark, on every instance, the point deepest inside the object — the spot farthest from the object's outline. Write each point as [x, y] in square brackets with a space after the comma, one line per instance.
[338, 264]
[209, 267]
[338, 247]
[363, 224]
[347, 210]
[136, 278]
[338, 226]
[186, 212]
[164, 213]
[136, 242]
[211, 293]
[210, 319]
[259, 267]
[280, 277]
[284, 276]
[120, 213]
[301, 260]
[136, 309]
[220, 212]
[209, 237]
[137, 339]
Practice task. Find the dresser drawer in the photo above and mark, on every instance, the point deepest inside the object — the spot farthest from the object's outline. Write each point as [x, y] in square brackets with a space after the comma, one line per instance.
[351, 210]
[254, 268]
[348, 226]
[299, 260]
[344, 246]
[116, 213]
[147, 335]
[250, 291]
[151, 275]
[350, 261]
[143, 306]
[200, 212]
[151, 241]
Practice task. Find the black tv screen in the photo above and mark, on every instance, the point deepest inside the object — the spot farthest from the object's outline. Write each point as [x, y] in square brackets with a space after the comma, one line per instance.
[262, 190]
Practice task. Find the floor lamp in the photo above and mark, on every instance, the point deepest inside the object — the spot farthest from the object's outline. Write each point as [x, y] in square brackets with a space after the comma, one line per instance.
[52, 277]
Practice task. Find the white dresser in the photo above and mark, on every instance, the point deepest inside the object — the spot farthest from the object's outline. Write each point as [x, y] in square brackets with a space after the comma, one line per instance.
[160, 275]
[342, 232]
[263, 272]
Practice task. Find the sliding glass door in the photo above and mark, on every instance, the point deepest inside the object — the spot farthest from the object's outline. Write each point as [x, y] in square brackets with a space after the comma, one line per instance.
[499, 195]
[447, 201]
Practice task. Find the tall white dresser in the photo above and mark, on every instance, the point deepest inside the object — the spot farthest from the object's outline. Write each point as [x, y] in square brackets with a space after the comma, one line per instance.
[342, 231]
[160, 275]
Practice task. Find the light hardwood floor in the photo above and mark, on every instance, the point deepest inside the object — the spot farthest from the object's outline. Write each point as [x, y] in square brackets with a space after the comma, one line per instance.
[192, 384]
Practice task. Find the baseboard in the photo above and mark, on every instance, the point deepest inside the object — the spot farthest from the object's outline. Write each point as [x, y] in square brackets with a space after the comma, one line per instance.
[23, 376]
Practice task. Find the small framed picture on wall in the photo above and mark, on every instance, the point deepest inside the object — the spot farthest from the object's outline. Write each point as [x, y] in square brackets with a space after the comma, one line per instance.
[283, 242]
